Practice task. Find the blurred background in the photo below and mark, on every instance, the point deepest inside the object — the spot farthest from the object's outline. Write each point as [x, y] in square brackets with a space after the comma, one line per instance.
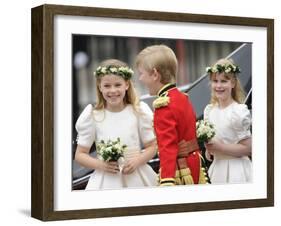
[89, 51]
[193, 58]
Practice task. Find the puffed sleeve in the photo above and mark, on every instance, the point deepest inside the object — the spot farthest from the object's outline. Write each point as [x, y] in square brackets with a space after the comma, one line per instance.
[241, 121]
[207, 112]
[85, 127]
[145, 123]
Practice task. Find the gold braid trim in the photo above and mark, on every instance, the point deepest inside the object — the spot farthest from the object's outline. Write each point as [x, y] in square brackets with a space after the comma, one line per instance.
[167, 184]
[186, 177]
[167, 181]
[203, 179]
[161, 101]
[178, 178]
[203, 176]
[184, 171]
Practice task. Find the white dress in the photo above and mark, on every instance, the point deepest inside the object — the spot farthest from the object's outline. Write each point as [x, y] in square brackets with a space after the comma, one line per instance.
[94, 126]
[232, 124]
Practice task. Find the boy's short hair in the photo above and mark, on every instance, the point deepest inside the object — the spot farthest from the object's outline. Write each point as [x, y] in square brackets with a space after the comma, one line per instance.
[160, 57]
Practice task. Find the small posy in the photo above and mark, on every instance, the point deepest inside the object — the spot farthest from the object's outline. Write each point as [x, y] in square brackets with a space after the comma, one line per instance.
[111, 150]
[205, 131]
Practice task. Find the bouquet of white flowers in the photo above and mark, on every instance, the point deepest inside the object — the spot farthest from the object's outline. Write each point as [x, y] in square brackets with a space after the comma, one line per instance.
[111, 150]
[204, 131]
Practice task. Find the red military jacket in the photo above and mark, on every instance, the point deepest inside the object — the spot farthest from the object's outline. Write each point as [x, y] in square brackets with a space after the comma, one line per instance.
[174, 121]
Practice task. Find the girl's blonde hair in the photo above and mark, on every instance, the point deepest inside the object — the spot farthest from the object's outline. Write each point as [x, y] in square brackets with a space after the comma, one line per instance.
[237, 92]
[130, 96]
[161, 58]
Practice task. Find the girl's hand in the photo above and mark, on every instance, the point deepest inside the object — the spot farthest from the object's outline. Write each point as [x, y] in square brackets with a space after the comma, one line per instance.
[109, 167]
[214, 145]
[130, 166]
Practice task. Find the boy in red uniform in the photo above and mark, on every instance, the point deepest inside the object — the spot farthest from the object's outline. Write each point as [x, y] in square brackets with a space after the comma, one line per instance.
[174, 118]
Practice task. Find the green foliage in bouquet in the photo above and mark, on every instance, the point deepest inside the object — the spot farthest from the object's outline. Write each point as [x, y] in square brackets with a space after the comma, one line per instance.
[111, 150]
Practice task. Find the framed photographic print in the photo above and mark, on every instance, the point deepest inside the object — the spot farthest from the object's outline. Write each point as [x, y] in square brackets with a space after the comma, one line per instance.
[68, 45]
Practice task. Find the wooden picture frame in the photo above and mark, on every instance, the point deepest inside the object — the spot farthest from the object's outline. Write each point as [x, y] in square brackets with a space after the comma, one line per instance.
[43, 108]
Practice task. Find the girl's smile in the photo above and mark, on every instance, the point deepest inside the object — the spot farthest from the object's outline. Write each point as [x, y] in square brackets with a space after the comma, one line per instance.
[219, 91]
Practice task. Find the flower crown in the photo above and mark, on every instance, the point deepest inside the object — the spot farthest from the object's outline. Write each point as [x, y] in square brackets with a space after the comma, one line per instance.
[227, 68]
[122, 71]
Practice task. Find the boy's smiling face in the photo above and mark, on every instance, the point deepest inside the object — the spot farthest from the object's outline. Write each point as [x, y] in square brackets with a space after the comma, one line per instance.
[149, 79]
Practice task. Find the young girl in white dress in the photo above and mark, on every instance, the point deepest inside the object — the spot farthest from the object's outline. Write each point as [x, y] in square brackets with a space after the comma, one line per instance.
[117, 114]
[231, 146]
